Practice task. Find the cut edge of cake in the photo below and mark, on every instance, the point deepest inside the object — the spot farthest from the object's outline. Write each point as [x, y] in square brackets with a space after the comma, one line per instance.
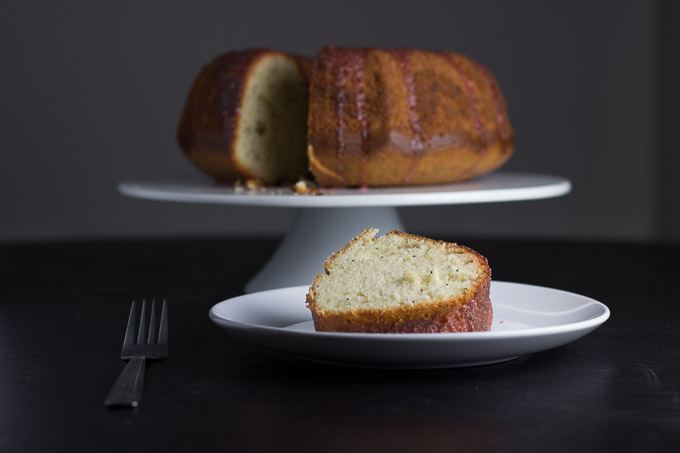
[246, 117]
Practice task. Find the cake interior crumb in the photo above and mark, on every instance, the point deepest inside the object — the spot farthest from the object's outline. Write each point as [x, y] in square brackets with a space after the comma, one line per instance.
[392, 271]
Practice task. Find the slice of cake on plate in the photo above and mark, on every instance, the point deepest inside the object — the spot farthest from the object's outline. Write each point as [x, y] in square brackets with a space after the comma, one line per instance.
[402, 283]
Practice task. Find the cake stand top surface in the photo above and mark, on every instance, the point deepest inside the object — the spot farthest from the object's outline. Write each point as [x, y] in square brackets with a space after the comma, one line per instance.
[494, 187]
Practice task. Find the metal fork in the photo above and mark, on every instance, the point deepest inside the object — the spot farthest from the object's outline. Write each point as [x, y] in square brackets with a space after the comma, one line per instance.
[127, 390]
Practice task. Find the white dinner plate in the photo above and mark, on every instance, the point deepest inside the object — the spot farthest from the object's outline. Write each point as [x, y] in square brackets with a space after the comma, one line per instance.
[527, 319]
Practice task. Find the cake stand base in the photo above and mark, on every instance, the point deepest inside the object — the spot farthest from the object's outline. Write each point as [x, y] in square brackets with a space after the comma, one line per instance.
[317, 233]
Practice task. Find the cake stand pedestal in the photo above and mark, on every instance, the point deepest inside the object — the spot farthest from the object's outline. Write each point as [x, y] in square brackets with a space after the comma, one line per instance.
[314, 235]
[325, 223]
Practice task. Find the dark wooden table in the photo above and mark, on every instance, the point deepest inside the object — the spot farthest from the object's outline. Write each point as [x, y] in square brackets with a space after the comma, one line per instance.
[64, 306]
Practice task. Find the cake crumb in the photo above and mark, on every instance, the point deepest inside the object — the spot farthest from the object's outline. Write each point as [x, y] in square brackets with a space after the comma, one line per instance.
[254, 184]
[250, 186]
[306, 187]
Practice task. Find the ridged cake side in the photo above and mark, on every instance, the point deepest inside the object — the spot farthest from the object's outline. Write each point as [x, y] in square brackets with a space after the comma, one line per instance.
[404, 117]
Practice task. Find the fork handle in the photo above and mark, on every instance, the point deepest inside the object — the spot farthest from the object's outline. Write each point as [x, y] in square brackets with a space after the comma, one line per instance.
[127, 390]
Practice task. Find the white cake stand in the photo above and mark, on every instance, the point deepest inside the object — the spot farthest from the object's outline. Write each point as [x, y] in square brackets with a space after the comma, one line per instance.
[324, 223]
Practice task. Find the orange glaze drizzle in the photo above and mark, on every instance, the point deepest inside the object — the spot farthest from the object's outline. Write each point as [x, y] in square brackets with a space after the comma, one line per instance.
[401, 56]
[351, 71]
[451, 58]
[357, 66]
[340, 100]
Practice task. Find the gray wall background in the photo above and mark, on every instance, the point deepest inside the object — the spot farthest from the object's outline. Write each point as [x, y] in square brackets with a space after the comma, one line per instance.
[91, 93]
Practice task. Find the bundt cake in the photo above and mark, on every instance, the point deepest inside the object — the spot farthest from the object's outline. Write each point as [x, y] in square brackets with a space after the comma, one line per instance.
[403, 117]
[402, 283]
[245, 117]
[368, 117]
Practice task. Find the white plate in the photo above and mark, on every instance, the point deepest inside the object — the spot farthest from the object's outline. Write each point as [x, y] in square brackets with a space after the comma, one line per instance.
[527, 319]
[494, 187]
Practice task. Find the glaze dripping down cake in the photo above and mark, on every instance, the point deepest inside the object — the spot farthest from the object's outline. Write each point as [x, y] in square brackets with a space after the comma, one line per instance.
[402, 283]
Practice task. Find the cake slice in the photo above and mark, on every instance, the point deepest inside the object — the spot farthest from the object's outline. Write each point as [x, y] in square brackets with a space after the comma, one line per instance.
[246, 117]
[402, 283]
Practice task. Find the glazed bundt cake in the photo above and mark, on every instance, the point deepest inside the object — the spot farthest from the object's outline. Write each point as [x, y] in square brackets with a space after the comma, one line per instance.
[403, 117]
[369, 117]
[246, 117]
[402, 283]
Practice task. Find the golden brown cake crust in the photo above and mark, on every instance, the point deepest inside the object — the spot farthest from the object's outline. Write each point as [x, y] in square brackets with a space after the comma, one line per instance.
[470, 312]
[207, 129]
[404, 117]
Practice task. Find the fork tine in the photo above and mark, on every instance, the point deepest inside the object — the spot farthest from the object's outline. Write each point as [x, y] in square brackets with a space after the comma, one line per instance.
[142, 324]
[127, 390]
[163, 331]
[130, 332]
[152, 324]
